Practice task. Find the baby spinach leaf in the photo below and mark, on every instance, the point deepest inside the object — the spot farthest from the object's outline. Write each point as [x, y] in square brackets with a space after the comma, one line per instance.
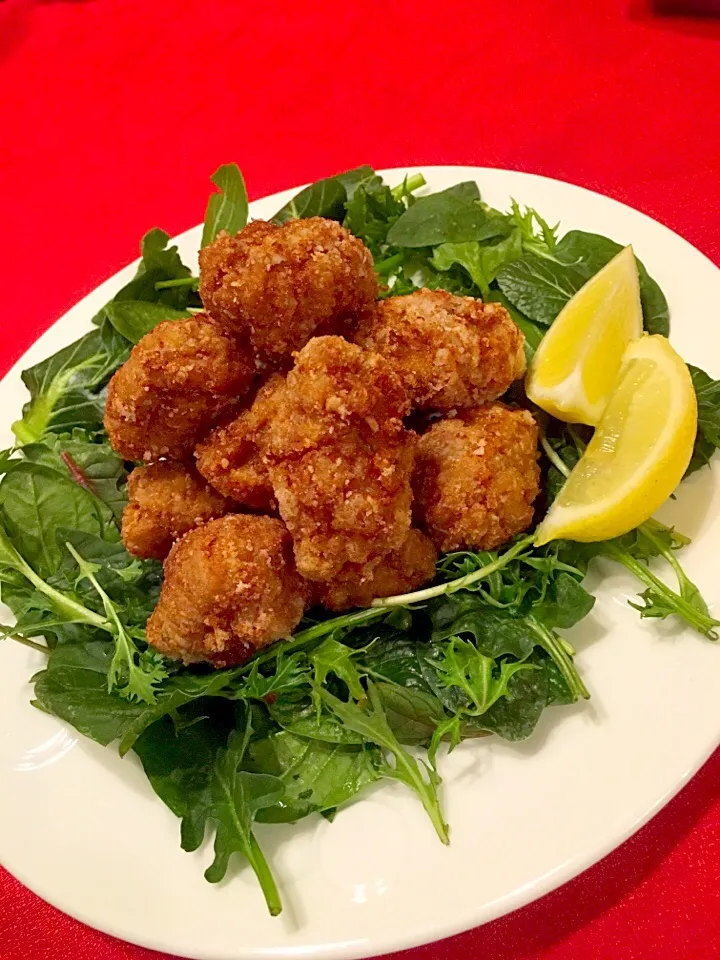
[370, 212]
[236, 798]
[94, 466]
[539, 287]
[566, 602]
[299, 715]
[454, 215]
[324, 198]
[65, 388]
[36, 501]
[412, 713]
[317, 776]
[515, 716]
[461, 665]
[74, 687]
[707, 440]
[134, 318]
[591, 251]
[495, 633]
[228, 209]
[179, 764]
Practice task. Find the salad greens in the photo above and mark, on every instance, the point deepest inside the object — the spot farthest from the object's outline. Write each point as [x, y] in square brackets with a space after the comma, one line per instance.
[309, 724]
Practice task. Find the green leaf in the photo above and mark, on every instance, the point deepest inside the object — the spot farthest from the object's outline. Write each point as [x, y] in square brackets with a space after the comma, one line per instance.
[134, 318]
[539, 287]
[481, 261]
[158, 263]
[495, 633]
[462, 665]
[324, 198]
[237, 797]
[515, 716]
[36, 501]
[454, 215]
[74, 688]
[179, 764]
[591, 251]
[566, 602]
[317, 776]
[94, 466]
[412, 714]
[65, 388]
[334, 657]
[371, 211]
[299, 715]
[372, 724]
[707, 440]
[228, 209]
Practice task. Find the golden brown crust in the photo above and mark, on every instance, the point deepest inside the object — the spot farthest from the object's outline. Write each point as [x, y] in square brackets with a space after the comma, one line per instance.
[232, 458]
[179, 380]
[230, 588]
[449, 351]
[166, 500]
[357, 585]
[340, 458]
[280, 285]
[476, 477]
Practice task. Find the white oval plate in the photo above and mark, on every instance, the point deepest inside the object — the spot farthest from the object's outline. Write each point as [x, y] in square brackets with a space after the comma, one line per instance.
[82, 828]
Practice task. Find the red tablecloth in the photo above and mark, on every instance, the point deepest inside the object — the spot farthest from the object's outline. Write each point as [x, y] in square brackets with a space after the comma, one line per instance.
[112, 116]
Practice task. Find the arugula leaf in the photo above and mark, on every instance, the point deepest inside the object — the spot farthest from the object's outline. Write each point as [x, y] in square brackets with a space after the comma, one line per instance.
[324, 198]
[74, 688]
[65, 388]
[334, 657]
[372, 724]
[227, 209]
[299, 715]
[236, 798]
[317, 776]
[454, 215]
[134, 673]
[515, 715]
[134, 318]
[707, 440]
[463, 666]
[158, 264]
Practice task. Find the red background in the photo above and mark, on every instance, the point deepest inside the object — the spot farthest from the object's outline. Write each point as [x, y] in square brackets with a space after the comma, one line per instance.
[113, 113]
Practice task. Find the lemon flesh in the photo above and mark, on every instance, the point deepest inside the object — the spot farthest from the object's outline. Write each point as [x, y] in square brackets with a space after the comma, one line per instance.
[638, 453]
[577, 363]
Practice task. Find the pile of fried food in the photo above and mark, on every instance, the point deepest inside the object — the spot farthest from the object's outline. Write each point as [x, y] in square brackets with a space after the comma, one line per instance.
[280, 471]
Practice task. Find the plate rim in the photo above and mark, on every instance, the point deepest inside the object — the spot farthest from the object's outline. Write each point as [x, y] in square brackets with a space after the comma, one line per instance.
[511, 901]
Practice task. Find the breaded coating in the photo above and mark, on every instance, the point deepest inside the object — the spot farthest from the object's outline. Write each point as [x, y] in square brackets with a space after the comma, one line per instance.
[167, 499]
[232, 458]
[230, 588]
[280, 285]
[340, 458]
[450, 352]
[178, 381]
[403, 570]
[476, 477]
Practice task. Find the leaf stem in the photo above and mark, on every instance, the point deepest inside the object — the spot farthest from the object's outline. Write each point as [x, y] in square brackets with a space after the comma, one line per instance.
[385, 267]
[408, 185]
[556, 647]
[553, 456]
[27, 642]
[445, 589]
[265, 877]
[180, 282]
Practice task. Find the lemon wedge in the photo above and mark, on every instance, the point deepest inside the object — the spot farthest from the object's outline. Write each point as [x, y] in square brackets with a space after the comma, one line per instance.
[577, 362]
[638, 453]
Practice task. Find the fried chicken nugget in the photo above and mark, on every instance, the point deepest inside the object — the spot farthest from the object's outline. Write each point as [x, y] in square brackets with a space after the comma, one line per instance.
[232, 458]
[166, 500]
[401, 571]
[449, 351]
[178, 381]
[340, 458]
[230, 588]
[279, 285]
[476, 477]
